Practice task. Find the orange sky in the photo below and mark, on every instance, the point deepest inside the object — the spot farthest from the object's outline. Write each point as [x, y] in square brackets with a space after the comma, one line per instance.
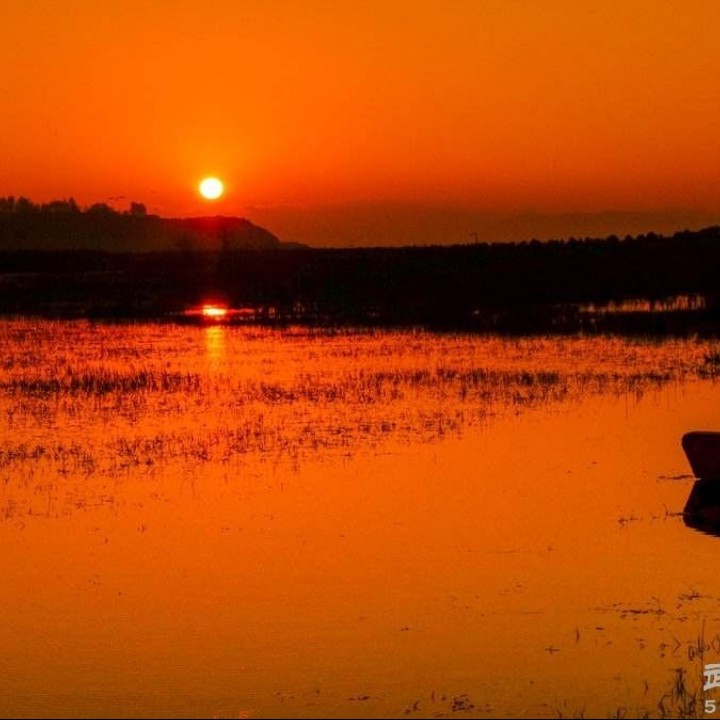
[467, 113]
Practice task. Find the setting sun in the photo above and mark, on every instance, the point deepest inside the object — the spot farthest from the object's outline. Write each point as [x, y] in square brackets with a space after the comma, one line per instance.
[211, 188]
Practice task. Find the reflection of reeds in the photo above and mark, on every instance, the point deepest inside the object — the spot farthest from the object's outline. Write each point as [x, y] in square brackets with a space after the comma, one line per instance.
[72, 458]
[305, 413]
[680, 701]
[682, 696]
[81, 400]
[101, 382]
[712, 359]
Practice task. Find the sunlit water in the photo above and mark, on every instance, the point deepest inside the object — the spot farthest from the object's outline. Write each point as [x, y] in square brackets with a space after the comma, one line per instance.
[229, 522]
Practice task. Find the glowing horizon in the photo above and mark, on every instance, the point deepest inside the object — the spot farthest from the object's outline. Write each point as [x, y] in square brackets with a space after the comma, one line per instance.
[496, 108]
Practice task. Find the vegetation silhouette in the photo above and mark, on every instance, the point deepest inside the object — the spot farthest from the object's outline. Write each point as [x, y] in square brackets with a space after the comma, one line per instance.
[499, 287]
[62, 225]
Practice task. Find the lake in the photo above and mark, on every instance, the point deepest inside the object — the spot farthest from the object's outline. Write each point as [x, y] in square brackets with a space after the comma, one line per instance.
[236, 522]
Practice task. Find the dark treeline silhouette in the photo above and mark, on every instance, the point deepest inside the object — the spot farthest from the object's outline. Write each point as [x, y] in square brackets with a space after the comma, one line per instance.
[530, 286]
[63, 225]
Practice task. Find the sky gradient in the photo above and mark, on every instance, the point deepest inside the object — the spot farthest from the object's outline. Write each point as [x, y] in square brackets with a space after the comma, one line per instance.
[347, 123]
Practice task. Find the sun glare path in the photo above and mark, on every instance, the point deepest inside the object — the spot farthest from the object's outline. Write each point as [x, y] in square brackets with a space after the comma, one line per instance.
[211, 188]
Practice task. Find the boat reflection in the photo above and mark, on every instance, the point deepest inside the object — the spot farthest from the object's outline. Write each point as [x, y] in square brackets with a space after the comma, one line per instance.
[702, 508]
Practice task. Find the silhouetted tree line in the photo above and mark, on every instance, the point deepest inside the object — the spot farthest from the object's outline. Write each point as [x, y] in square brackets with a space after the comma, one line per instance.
[529, 286]
[23, 205]
[63, 225]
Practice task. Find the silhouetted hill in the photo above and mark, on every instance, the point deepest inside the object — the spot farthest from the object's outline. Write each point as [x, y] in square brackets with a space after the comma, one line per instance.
[61, 225]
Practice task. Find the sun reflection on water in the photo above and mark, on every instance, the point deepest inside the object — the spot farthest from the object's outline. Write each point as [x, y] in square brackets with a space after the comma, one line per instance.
[215, 345]
[214, 311]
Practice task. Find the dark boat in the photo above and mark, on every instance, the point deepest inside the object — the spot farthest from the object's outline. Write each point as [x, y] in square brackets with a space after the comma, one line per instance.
[702, 509]
[703, 451]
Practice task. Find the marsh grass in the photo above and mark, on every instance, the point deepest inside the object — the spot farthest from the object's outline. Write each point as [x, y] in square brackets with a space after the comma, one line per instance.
[681, 698]
[101, 401]
[99, 383]
[682, 694]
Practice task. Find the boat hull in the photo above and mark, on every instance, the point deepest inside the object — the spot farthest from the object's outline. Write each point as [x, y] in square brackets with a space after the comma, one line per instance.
[703, 452]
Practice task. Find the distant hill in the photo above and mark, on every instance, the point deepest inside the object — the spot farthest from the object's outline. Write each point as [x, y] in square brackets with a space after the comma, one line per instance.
[62, 225]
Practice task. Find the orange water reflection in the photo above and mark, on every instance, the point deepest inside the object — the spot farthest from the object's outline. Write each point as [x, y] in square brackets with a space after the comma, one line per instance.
[301, 524]
[215, 345]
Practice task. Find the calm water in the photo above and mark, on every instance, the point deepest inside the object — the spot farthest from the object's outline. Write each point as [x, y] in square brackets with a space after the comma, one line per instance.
[229, 522]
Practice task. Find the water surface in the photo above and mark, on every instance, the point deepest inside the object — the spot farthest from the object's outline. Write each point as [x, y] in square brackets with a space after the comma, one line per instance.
[233, 522]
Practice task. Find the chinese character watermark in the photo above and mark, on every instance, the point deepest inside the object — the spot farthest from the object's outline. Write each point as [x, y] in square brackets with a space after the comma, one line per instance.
[711, 671]
[712, 676]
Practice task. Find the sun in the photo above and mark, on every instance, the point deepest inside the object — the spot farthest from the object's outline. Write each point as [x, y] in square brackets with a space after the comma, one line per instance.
[211, 188]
